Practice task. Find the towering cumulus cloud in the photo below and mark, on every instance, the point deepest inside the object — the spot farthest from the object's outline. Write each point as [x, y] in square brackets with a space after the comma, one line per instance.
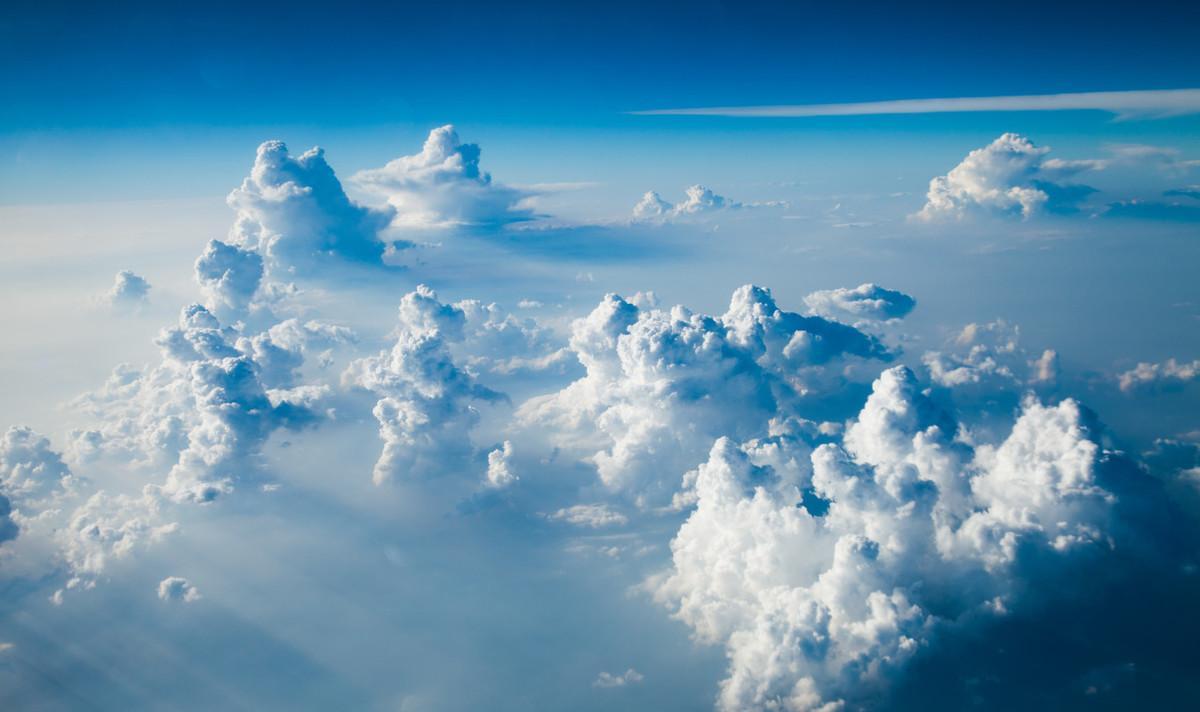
[443, 186]
[425, 410]
[293, 211]
[662, 384]
[919, 538]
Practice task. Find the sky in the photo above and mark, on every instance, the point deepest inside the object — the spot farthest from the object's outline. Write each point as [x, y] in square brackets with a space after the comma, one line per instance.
[754, 356]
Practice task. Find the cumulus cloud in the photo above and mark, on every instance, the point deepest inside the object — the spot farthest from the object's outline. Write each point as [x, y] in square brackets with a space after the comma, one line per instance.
[594, 516]
[294, 212]
[499, 474]
[607, 679]
[697, 201]
[661, 384]
[229, 277]
[204, 411]
[866, 301]
[1009, 176]
[175, 588]
[128, 289]
[443, 186]
[29, 468]
[425, 411]
[988, 358]
[919, 537]
[1167, 374]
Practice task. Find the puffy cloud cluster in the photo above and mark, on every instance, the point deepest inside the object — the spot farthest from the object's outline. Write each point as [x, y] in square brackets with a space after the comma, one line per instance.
[660, 385]
[697, 200]
[229, 277]
[1168, 374]
[500, 343]
[177, 588]
[443, 186]
[426, 409]
[205, 410]
[908, 533]
[294, 212]
[1008, 176]
[29, 468]
[988, 358]
[866, 301]
[128, 289]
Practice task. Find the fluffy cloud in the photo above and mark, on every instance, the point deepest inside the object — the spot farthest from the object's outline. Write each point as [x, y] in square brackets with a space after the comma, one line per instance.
[662, 384]
[229, 277]
[128, 289]
[443, 186]
[499, 474]
[989, 358]
[175, 588]
[425, 412]
[29, 468]
[293, 211]
[866, 301]
[921, 535]
[1008, 176]
[1168, 374]
[203, 412]
[697, 200]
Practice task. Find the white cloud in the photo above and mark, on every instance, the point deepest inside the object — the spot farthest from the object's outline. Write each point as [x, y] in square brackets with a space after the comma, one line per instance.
[175, 588]
[425, 412]
[29, 468]
[866, 301]
[997, 178]
[697, 201]
[594, 516]
[1126, 104]
[607, 679]
[662, 384]
[443, 186]
[128, 289]
[499, 474]
[1167, 374]
[229, 277]
[826, 608]
[989, 358]
[293, 211]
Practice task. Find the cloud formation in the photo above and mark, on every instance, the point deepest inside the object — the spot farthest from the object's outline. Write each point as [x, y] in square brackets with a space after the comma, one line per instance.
[919, 536]
[697, 201]
[176, 588]
[425, 410]
[443, 186]
[128, 289]
[866, 301]
[1168, 374]
[294, 212]
[662, 384]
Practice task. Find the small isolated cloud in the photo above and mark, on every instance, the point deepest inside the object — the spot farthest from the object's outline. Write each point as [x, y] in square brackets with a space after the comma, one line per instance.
[697, 201]
[1165, 375]
[499, 474]
[866, 301]
[590, 515]
[607, 679]
[175, 588]
[128, 289]
[443, 186]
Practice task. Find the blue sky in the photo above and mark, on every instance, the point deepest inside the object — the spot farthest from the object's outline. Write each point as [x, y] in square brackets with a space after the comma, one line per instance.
[508, 397]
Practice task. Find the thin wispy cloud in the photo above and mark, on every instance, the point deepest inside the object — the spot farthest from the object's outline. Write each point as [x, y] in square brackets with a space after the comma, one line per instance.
[1125, 104]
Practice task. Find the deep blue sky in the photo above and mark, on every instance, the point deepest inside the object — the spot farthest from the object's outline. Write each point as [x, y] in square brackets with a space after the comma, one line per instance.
[128, 65]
